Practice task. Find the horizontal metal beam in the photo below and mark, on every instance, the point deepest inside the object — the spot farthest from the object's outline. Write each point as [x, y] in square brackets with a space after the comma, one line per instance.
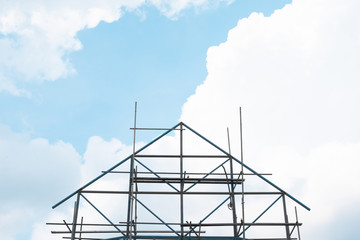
[160, 129]
[190, 173]
[185, 224]
[89, 224]
[178, 156]
[107, 231]
[194, 238]
[83, 238]
[177, 193]
[183, 180]
[185, 238]
[239, 224]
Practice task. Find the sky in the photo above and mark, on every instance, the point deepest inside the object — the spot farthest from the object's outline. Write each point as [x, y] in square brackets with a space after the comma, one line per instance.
[71, 72]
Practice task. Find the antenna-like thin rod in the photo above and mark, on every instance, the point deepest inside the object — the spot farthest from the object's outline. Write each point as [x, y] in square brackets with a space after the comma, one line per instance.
[242, 176]
[131, 184]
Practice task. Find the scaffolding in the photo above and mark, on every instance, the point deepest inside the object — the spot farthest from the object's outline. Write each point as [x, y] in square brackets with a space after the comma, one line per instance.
[181, 190]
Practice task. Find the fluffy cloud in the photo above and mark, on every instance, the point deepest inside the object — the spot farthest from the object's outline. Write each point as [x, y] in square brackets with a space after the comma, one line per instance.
[172, 8]
[37, 36]
[295, 74]
[33, 176]
[100, 155]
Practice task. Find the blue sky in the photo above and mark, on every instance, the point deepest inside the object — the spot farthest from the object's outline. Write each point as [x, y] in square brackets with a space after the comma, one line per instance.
[144, 57]
[70, 73]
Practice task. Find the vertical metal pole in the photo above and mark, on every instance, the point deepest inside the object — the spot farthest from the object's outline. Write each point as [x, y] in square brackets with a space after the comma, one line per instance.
[242, 178]
[297, 223]
[232, 198]
[136, 195]
[131, 183]
[76, 210]
[81, 226]
[181, 183]
[286, 218]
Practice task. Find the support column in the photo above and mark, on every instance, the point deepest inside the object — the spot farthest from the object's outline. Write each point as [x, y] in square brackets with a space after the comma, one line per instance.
[286, 218]
[232, 195]
[131, 185]
[242, 178]
[181, 183]
[76, 210]
[297, 224]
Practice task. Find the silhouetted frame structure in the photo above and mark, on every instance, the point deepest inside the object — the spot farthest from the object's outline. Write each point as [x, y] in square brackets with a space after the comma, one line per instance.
[180, 184]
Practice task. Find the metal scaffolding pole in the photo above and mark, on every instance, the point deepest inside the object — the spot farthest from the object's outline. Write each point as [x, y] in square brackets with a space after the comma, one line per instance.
[76, 210]
[181, 183]
[287, 230]
[232, 198]
[242, 177]
[131, 184]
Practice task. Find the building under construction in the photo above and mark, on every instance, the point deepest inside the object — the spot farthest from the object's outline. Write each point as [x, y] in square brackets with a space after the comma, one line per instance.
[180, 186]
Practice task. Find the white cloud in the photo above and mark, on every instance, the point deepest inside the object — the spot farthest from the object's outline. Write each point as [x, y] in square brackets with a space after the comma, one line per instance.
[172, 8]
[295, 74]
[37, 36]
[100, 155]
[33, 177]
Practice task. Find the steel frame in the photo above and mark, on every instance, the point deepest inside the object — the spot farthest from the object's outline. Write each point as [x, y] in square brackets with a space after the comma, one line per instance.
[179, 183]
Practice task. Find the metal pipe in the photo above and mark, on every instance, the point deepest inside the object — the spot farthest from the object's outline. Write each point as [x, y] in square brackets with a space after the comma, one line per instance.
[239, 224]
[136, 211]
[232, 200]
[201, 221]
[103, 215]
[287, 230]
[192, 173]
[208, 174]
[157, 175]
[131, 183]
[149, 210]
[113, 231]
[242, 176]
[181, 183]
[297, 220]
[81, 225]
[67, 226]
[177, 156]
[160, 129]
[175, 193]
[192, 237]
[260, 215]
[76, 210]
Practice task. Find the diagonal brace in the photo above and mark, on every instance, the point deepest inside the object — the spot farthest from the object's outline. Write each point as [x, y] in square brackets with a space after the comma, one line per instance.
[155, 215]
[272, 204]
[207, 174]
[210, 214]
[157, 175]
[102, 214]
